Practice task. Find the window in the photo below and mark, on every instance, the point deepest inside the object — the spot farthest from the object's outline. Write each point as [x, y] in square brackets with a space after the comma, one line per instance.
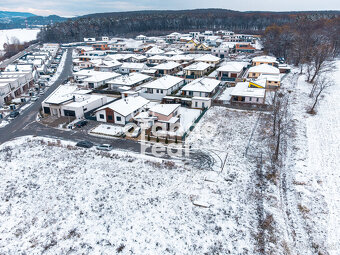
[257, 99]
[101, 116]
[109, 117]
[196, 104]
[250, 99]
[118, 118]
[203, 105]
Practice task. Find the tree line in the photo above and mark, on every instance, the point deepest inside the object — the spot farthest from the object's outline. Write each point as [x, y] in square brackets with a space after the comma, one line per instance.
[159, 22]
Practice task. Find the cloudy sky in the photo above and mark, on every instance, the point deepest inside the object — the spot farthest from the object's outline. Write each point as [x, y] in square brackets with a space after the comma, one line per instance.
[80, 7]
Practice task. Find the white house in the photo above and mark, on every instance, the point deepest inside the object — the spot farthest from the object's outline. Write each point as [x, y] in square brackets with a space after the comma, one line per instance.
[231, 70]
[256, 71]
[209, 59]
[130, 67]
[131, 80]
[167, 68]
[202, 87]
[242, 93]
[161, 87]
[196, 70]
[154, 51]
[121, 111]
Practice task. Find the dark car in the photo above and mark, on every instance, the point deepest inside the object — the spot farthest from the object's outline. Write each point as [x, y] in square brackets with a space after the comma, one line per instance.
[84, 144]
[81, 123]
[14, 114]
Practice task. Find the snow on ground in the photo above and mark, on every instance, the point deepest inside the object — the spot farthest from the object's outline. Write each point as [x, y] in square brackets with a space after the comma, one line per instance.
[59, 199]
[313, 161]
[108, 130]
[188, 117]
[23, 35]
[224, 132]
[3, 123]
[225, 96]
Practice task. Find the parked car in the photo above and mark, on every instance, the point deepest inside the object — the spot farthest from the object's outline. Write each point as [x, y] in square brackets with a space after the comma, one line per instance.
[34, 98]
[81, 123]
[136, 132]
[104, 147]
[84, 144]
[14, 114]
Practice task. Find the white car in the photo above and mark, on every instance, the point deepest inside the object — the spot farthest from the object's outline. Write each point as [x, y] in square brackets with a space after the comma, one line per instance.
[136, 132]
[104, 147]
[34, 98]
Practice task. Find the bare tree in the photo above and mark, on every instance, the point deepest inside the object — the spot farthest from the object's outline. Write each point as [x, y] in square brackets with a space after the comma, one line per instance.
[319, 87]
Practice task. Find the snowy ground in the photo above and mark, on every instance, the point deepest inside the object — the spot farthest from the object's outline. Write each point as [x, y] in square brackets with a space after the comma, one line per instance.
[107, 130]
[188, 116]
[59, 199]
[59, 69]
[312, 170]
[23, 35]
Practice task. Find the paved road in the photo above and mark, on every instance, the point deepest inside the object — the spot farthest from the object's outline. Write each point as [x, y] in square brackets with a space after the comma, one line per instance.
[18, 55]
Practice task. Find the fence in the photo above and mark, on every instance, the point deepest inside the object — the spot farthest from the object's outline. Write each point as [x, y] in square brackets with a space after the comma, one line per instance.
[242, 106]
[194, 124]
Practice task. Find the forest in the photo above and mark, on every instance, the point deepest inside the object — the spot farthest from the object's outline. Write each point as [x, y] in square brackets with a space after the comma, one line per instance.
[163, 22]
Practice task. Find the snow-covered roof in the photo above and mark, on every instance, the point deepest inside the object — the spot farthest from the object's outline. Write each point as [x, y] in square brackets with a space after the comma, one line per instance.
[164, 82]
[181, 57]
[164, 109]
[167, 66]
[62, 94]
[174, 52]
[264, 68]
[208, 58]
[232, 67]
[242, 89]
[198, 66]
[155, 51]
[129, 80]
[158, 57]
[102, 76]
[270, 77]
[202, 85]
[131, 65]
[266, 59]
[127, 105]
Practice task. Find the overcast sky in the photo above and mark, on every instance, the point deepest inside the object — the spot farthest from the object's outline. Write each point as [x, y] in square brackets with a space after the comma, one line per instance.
[80, 7]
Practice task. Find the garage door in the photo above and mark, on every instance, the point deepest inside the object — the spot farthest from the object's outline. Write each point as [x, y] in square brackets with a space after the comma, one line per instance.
[69, 113]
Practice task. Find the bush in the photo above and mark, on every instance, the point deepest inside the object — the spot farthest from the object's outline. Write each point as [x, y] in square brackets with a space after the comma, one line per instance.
[149, 137]
[166, 140]
[157, 140]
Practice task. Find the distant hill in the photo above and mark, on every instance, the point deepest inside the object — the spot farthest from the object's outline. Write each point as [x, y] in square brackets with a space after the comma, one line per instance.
[164, 21]
[9, 20]
[6, 14]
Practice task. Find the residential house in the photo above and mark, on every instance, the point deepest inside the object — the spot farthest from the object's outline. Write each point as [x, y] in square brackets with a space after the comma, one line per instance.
[130, 67]
[196, 70]
[201, 87]
[209, 59]
[231, 70]
[161, 87]
[242, 93]
[121, 111]
[131, 80]
[269, 60]
[256, 71]
[167, 68]
[157, 59]
[166, 114]
[244, 48]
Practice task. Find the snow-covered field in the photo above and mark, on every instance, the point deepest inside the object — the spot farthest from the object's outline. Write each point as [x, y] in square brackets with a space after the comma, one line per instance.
[23, 35]
[313, 170]
[59, 199]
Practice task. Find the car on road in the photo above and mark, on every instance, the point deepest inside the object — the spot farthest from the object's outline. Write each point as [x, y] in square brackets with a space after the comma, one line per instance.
[104, 147]
[84, 144]
[34, 98]
[14, 114]
[81, 123]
